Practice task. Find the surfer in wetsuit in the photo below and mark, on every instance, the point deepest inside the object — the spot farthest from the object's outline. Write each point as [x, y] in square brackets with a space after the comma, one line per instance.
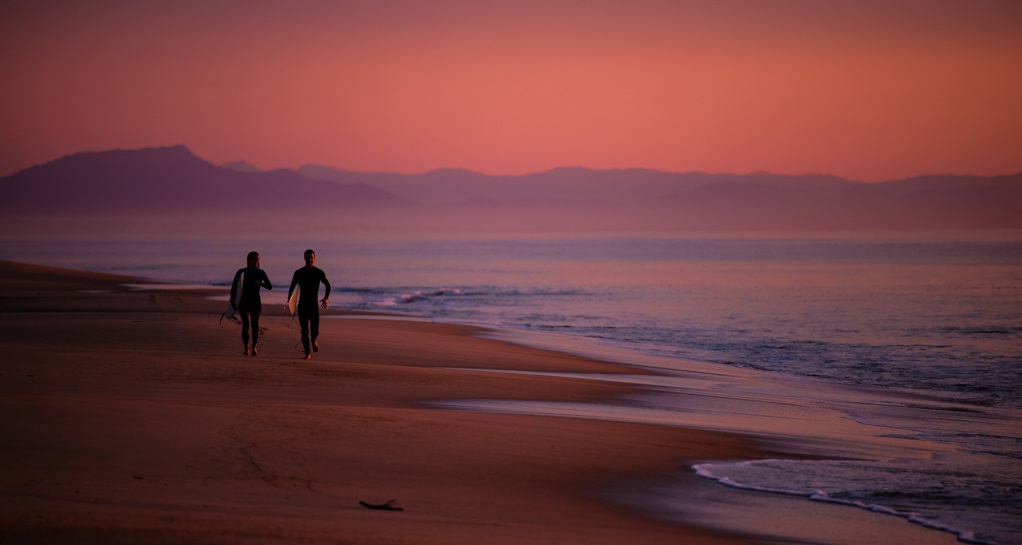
[307, 279]
[250, 305]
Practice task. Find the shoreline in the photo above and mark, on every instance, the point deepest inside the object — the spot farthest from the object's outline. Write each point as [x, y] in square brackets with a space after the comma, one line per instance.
[141, 421]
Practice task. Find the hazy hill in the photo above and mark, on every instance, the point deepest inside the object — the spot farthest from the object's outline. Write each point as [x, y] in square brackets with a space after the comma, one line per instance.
[170, 179]
[242, 166]
[567, 185]
[170, 190]
[640, 199]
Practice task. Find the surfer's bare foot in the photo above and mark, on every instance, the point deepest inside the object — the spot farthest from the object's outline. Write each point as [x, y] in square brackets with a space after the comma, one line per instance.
[255, 352]
[315, 346]
[246, 350]
[308, 356]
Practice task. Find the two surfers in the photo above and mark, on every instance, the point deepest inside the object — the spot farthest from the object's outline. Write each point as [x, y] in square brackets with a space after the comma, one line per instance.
[302, 297]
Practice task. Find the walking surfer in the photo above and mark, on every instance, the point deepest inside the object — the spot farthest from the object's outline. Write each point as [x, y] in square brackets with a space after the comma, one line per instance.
[307, 280]
[245, 289]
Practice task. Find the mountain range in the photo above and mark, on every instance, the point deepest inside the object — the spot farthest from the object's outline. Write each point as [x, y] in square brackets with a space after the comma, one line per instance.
[171, 190]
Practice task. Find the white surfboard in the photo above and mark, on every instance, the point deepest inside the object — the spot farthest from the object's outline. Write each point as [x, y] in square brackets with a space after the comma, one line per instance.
[234, 302]
[292, 302]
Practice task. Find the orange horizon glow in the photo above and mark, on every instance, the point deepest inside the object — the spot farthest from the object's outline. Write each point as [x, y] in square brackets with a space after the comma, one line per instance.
[871, 91]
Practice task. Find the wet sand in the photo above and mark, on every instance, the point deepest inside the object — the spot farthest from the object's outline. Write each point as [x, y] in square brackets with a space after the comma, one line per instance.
[131, 416]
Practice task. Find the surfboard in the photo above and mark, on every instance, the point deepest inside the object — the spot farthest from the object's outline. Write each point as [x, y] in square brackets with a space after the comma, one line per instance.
[234, 302]
[292, 302]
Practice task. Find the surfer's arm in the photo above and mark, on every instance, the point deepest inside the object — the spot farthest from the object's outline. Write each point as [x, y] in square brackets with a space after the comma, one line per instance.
[266, 282]
[326, 294]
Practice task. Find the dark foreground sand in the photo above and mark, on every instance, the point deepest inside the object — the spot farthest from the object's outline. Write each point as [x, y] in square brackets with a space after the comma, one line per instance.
[132, 417]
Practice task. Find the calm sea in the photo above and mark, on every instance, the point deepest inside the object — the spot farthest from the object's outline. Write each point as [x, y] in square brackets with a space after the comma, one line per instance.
[935, 318]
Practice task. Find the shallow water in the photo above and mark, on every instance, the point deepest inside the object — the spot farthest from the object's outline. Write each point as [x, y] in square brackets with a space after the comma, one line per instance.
[932, 321]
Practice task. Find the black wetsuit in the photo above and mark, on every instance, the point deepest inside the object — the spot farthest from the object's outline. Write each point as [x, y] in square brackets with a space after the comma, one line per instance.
[251, 305]
[308, 279]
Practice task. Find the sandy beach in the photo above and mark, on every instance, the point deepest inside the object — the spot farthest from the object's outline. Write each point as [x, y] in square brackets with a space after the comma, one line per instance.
[131, 416]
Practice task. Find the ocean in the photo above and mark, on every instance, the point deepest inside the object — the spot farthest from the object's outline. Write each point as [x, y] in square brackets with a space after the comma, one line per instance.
[929, 322]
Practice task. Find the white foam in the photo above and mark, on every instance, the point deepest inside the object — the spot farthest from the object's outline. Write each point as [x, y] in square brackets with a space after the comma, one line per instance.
[713, 472]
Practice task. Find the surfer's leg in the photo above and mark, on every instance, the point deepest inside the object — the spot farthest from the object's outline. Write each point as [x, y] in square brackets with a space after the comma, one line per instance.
[255, 329]
[303, 322]
[314, 329]
[244, 329]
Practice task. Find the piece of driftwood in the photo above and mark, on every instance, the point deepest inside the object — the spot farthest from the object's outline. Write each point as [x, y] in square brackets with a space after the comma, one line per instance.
[389, 506]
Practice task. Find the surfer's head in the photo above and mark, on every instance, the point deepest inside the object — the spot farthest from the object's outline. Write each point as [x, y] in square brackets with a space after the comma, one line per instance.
[253, 259]
[310, 258]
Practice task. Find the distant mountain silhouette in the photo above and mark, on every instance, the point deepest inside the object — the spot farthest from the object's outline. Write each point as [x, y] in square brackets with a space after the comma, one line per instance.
[637, 199]
[241, 166]
[170, 179]
[161, 189]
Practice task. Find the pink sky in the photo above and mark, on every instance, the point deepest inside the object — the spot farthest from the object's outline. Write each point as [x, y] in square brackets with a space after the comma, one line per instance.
[866, 89]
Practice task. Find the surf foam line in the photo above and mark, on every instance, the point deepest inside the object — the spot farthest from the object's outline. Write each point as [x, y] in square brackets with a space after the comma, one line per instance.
[707, 471]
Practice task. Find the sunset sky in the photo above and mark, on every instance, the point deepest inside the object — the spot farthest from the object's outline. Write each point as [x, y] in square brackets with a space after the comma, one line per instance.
[866, 89]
